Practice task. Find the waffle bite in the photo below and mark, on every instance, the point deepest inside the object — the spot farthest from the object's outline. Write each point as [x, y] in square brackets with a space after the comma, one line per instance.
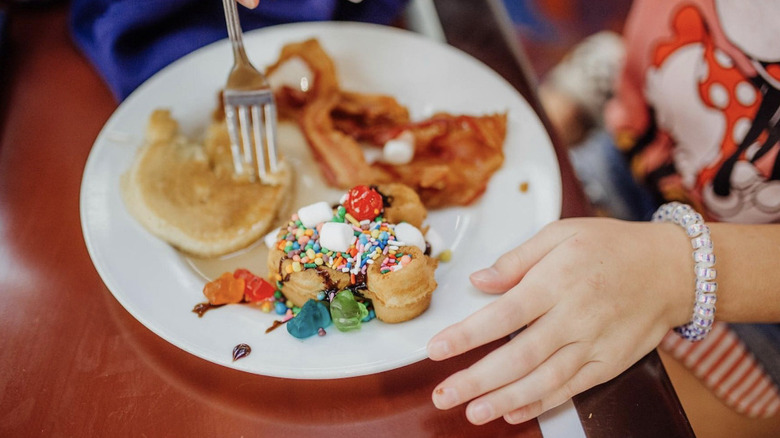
[372, 244]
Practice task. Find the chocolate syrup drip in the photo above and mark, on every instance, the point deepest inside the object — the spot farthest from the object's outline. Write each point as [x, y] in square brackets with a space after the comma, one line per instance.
[360, 279]
[202, 308]
[359, 286]
[387, 201]
[330, 285]
[287, 276]
[241, 351]
[275, 326]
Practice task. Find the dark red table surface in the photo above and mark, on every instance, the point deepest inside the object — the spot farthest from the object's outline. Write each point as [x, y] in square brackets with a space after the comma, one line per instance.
[73, 362]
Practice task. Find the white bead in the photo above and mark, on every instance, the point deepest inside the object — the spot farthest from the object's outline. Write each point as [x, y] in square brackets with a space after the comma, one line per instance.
[690, 219]
[702, 322]
[410, 235]
[704, 273]
[313, 214]
[696, 229]
[336, 236]
[664, 212]
[704, 257]
[705, 312]
[706, 286]
[706, 299]
[679, 211]
[701, 242]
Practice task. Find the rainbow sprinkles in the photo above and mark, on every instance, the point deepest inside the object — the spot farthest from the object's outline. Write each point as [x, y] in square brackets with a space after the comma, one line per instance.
[370, 240]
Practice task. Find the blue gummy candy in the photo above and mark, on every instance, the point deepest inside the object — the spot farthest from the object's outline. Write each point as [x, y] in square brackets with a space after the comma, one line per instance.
[313, 316]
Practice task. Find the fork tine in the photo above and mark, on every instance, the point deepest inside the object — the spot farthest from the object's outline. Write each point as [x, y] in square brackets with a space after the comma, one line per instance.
[270, 126]
[257, 123]
[235, 151]
[246, 139]
[250, 110]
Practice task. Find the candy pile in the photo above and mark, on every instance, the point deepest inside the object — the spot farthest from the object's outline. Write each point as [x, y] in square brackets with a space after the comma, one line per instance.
[242, 286]
[343, 309]
[343, 243]
[346, 238]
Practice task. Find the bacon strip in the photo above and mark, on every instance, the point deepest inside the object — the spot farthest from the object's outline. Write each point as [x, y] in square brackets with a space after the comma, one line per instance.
[339, 155]
[455, 155]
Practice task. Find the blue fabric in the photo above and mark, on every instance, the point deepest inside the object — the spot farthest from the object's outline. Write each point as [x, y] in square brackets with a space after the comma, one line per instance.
[130, 40]
[606, 178]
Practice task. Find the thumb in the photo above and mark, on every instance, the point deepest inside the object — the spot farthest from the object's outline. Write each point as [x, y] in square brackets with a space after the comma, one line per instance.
[512, 266]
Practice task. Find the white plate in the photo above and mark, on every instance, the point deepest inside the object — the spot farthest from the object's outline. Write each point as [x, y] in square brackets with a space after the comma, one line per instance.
[159, 287]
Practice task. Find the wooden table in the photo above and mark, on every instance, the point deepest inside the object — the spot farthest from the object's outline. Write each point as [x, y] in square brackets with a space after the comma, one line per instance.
[73, 362]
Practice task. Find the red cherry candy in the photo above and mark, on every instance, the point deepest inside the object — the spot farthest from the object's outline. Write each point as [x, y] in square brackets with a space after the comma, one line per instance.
[363, 203]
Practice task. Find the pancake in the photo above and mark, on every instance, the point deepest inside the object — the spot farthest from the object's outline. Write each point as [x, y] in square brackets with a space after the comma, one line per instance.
[185, 193]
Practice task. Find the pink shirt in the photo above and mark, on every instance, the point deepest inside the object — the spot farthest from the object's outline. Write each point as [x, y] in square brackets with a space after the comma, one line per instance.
[700, 95]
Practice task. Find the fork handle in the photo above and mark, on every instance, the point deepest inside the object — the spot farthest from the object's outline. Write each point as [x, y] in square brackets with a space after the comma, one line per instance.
[234, 31]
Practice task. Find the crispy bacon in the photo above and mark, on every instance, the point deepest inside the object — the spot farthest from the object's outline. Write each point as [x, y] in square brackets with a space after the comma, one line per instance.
[455, 155]
[311, 52]
[365, 117]
[339, 155]
[454, 158]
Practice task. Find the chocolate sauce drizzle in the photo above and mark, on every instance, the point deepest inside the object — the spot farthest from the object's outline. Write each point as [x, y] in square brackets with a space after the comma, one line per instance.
[387, 201]
[241, 351]
[275, 325]
[326, 278]
[202, 308]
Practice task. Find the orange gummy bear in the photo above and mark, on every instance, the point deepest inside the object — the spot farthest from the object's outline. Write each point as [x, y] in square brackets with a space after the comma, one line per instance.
[226, 289]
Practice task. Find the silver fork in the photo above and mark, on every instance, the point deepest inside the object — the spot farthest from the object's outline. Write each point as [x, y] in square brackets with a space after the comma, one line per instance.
[250, 110]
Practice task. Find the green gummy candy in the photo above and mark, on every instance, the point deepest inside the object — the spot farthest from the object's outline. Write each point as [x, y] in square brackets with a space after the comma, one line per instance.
[347, 314]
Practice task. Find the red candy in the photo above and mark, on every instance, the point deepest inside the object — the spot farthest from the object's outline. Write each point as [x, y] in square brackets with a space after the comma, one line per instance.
[255, 288]
[363, 203]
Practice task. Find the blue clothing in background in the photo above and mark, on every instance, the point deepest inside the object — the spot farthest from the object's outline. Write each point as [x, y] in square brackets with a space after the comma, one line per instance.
[130, 40]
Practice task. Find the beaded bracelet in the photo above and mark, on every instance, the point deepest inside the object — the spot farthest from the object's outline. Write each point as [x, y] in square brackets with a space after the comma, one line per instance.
[704, 259]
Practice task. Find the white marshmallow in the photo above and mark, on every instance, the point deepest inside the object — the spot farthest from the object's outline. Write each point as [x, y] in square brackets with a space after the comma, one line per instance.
[410, 235]
[399, 150]
[336, 236]
[372, 154]
[436, 242]
[271, 238]
[313, 214]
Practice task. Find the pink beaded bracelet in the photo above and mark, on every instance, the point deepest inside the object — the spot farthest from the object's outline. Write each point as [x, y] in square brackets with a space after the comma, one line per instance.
[704, 267]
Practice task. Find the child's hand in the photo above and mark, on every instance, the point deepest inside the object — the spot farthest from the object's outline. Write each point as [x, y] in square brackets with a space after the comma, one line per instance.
[596, 296]
[251, 4]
